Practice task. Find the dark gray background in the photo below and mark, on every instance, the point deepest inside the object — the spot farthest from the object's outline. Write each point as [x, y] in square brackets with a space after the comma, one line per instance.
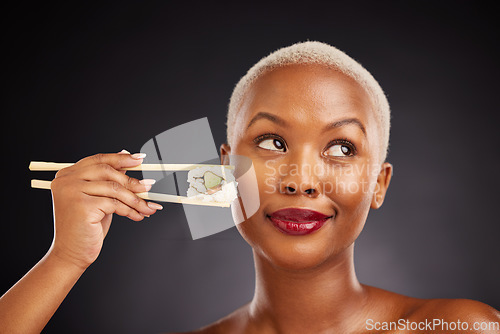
[91, 78]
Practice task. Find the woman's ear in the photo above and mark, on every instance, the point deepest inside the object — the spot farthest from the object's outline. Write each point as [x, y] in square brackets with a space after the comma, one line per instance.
[225, 151]
[383, 180]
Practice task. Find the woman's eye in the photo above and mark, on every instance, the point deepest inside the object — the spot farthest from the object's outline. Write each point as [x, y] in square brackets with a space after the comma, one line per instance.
[340, 150]
[272, 144]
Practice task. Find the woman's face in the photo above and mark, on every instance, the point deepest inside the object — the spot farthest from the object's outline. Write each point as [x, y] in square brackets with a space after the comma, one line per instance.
[312, 136]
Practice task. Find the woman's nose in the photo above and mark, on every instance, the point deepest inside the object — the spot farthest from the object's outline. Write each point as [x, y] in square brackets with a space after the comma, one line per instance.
[299, 178]
[293, 188]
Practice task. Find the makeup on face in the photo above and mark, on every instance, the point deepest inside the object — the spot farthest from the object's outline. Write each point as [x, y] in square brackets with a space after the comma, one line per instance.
[310, 135]
[297, 221]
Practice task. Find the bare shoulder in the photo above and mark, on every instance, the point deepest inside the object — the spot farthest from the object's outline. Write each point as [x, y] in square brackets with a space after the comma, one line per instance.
[232, 323]
[466, 309]
[394, 313]
[465, 314]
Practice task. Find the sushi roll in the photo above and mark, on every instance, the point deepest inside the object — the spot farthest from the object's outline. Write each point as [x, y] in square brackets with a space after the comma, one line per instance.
[212, 184]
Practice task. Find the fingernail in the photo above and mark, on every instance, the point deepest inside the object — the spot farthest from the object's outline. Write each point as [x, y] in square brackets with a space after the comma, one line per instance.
[124, 152]
[155, 206]
[147, 182]
[147, 216]
[138, 156]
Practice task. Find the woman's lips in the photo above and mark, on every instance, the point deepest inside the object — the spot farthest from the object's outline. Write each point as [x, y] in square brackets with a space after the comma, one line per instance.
[298, 221]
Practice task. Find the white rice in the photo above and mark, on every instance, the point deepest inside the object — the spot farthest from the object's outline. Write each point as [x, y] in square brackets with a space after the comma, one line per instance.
[197, 189]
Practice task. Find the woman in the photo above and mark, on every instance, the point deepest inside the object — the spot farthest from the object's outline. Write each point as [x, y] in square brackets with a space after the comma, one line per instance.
[316, 126]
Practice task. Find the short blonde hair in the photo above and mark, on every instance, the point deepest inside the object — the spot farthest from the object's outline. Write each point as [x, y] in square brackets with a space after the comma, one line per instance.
[313, 52]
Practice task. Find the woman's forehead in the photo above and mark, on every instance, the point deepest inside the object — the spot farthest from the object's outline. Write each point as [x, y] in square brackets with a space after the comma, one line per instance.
[306, 92]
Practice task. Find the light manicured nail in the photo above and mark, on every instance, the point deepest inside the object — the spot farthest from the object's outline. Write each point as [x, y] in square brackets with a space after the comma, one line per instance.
[138, 156]
[147, 182]
[147, 216]
[124, 152]
[155, 206]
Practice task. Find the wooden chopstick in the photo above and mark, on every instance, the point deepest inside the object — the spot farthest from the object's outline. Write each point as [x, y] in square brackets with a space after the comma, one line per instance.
[42, 184]
[55, 166]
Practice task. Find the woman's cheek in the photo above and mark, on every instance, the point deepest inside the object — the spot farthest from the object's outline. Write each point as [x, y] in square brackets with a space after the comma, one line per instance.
[266, 172]
[351, 191]
[269, 186]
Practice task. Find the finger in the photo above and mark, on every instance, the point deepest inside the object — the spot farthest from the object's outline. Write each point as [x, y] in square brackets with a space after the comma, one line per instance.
[115, 190]
[115, 160]
[118, 161]
[123, 152]
[104, 172]
[111, 205]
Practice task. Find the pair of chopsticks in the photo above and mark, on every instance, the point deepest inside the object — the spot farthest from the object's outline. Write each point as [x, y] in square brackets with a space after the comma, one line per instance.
[55, 166]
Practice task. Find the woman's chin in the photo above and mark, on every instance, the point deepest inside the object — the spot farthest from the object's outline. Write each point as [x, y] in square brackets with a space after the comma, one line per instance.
[294, 260]
[288, 252]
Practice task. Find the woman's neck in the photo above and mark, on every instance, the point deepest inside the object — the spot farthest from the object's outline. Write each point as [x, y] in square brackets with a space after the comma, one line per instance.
[308, 301]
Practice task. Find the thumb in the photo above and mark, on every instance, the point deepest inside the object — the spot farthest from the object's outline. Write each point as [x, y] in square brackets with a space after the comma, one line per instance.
[123, 152]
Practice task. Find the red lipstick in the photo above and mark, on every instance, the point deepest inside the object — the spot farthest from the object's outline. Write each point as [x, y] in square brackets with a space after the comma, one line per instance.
[298, 221]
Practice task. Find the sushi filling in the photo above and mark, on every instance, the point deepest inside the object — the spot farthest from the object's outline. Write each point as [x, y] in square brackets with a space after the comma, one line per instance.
[212, 184]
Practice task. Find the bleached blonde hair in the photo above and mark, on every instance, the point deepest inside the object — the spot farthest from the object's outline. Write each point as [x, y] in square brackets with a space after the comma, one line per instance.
[313, 52]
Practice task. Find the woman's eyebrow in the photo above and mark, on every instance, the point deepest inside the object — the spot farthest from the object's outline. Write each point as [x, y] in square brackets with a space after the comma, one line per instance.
[346, 121]
[280, 121]
[264, 115]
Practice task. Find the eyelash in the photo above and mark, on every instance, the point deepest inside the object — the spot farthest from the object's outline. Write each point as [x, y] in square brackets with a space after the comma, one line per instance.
[339, 141]
[265, 136]
[344, 142]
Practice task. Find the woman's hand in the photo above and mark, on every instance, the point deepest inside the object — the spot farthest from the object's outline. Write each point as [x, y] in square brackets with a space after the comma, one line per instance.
[86, 195]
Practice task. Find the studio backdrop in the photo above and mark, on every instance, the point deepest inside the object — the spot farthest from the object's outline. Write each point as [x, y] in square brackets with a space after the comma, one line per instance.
[89, 78]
